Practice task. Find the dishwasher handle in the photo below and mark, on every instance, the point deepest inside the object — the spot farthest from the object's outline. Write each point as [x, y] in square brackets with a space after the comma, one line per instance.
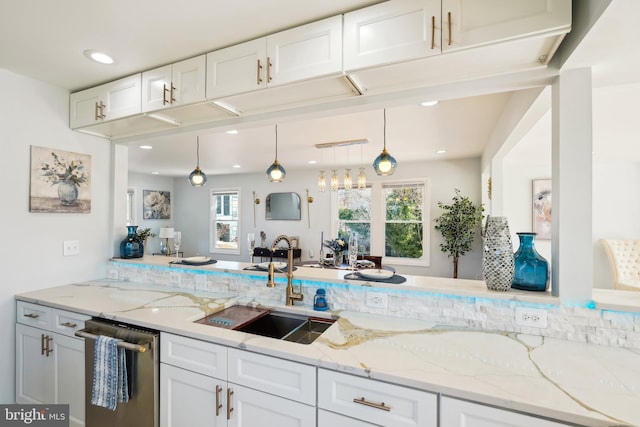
[140, 348]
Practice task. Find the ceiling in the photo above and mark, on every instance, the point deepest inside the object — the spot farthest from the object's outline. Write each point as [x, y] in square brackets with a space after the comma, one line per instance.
[48, 46]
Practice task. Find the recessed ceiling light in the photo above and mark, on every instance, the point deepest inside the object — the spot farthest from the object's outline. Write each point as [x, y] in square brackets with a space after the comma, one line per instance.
[146, 147]
[232, 131]
[155, 173]
[99, 57]
[312, 162]
[236, 166]
[441, 151]
[428, 103]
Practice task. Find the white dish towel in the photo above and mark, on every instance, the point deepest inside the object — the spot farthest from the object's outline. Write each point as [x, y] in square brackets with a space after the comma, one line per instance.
[109, 374]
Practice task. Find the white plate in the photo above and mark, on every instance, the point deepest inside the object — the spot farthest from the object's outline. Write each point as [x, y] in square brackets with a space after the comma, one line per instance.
[376, 274]
[365, 263]
[196, 260]
[277, 265]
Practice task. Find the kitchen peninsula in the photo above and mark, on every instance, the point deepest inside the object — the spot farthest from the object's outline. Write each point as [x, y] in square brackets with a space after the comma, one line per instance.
[458, 357]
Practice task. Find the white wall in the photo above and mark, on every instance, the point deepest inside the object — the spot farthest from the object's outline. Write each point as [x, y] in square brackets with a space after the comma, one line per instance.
[191, 211]
[34, 113]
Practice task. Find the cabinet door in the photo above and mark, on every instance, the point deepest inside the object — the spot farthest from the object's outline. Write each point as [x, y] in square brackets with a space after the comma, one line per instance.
[122, 97]
[329, 419]
[251, 408]
[237, 69]
[190, 399]
[468, 23]
[454, 413]
[189, 78]
[391, 32]
[34, 382]
[156, 88]
[83, 107]
[198, 356]
[68, 374]
[375, 401]
[312, 50]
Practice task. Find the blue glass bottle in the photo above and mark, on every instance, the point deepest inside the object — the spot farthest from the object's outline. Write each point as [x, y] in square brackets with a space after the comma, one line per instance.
[132, 246]
[531, 269]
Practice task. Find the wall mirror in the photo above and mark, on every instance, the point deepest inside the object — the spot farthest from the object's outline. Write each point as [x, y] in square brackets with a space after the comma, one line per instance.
[283, 206]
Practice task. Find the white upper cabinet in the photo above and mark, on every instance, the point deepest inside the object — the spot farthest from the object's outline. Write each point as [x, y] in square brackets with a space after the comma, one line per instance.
[469, 23]
[391, 32]
[110, 101]
[173, 85]
[301, 53]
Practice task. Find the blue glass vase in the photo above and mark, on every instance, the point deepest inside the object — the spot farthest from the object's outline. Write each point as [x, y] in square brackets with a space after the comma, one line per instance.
[531, 269]
[132, 246]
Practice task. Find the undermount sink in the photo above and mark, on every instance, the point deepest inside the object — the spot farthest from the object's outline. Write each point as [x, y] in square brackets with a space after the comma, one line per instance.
[273, 324]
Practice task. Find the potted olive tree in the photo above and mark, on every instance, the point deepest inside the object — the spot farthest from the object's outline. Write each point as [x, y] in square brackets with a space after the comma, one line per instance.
[457, 224]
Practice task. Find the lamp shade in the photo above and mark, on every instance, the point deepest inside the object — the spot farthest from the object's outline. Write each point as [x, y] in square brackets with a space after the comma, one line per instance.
[166, 233]
[197, 178]
[385, 164]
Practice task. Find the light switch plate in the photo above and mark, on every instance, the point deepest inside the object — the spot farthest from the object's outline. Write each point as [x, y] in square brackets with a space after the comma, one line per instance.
[71, 247]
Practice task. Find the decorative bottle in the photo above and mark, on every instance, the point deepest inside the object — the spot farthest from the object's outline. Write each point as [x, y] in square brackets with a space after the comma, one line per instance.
[320, 300]
[497, 255]
[132, 246]
[531, 269]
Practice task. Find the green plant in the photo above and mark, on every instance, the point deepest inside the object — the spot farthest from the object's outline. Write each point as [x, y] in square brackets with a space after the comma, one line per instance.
[457, 224]
[145, 233]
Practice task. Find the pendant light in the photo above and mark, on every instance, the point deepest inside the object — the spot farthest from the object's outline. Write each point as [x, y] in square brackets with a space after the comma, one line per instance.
[322, 182]
[385, 164]
[347, 182]
[276, 172]
[334, 183]
[197, 178]
[362, 178]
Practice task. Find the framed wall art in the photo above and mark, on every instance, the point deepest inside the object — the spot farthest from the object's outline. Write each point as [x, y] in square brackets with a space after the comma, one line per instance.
[156, 204]
[542, 208]
[60, 181]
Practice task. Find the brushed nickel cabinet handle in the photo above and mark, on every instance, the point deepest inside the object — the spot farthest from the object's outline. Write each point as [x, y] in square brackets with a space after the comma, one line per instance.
[33, 315]
[48, 349]
[259, 79]
[229, 407]
[365, 402]
[218, 404]
[433, 32]
[69, 324]
[164, 94]
[269, 65]
[172, 99]
[42, 341]
[449, 19]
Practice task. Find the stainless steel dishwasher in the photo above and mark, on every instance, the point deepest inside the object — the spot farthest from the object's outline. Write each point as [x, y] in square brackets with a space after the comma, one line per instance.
[142, 359]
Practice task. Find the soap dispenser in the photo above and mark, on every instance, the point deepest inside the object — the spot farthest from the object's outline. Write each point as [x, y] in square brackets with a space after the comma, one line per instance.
[320, 300]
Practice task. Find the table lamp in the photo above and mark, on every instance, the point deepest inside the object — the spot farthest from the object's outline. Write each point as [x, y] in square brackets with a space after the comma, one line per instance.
[166, 233]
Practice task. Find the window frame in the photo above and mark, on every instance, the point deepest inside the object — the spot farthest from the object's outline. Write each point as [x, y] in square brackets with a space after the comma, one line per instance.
[378, 220]
[214, 218]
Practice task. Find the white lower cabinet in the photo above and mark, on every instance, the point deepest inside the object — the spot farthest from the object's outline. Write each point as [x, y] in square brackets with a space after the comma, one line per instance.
[205, 384]
[330, 419]
[376, 402]
[455, 413]
[49, 359]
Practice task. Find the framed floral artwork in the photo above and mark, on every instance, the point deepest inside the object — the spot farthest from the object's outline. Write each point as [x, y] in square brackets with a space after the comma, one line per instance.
[60, 181]
[542, 208]
[156, 204]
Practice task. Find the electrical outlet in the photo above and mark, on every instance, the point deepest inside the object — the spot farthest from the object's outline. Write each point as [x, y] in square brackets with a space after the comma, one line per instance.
[174, 278]
[70, 247]
[112, 274]
[377, 300]
[535, 317]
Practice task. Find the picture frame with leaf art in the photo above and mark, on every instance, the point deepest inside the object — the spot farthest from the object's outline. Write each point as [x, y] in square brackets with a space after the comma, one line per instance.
[60, 181]
[156, 204]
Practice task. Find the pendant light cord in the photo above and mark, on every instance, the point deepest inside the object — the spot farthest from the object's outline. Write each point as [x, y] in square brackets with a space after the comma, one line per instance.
[276, 142]
[197, 151]
[384, 128]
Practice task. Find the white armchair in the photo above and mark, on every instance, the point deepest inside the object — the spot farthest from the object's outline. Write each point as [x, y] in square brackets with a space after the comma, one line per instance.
[624, 257]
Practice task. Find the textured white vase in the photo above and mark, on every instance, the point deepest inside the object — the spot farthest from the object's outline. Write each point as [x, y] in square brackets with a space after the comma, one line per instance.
[497, 255]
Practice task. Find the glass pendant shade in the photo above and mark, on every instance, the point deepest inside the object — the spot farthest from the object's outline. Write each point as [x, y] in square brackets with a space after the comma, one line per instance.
[347, 182]
[322, 182]
[335, 183]
[385, 164]
[276, 173]
[197, 178]
[362, 180]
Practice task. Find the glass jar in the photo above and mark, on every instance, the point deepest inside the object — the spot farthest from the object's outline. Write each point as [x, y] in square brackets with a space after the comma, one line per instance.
[320, 300]
[132, 245]
[531, 269]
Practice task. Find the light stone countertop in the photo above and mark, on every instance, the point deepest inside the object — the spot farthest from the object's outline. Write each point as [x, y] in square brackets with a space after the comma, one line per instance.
[574, 382]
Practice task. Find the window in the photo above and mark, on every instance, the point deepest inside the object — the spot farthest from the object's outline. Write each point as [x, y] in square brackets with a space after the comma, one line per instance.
[131, 206]
[225, 221]
[388, 219]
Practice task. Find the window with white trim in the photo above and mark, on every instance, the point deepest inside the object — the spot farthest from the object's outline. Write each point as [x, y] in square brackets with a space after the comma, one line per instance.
[389, 219]
[224, 230]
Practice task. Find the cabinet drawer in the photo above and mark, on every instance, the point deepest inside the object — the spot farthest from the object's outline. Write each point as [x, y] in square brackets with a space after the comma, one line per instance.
[363, 398]
[329, 419]
[283, 378]
[198, 356]
[67, 322]
[33, 315]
